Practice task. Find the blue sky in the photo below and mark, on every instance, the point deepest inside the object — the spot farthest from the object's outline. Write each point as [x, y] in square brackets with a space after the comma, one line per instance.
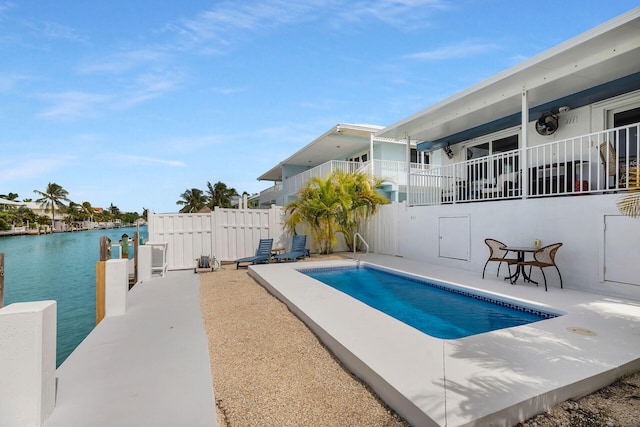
[132, 103]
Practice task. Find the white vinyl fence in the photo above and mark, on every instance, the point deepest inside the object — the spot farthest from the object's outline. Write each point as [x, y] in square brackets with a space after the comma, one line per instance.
[227, 234]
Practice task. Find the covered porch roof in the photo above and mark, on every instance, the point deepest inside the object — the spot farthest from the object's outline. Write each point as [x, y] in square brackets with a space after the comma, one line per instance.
[592, 66]
[334, 144]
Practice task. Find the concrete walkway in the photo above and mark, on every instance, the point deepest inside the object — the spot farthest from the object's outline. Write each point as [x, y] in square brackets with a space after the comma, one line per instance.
[495, 378]
[149, 367]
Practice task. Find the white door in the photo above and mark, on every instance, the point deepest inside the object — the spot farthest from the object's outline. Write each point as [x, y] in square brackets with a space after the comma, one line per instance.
[622, 249]
[454, 237]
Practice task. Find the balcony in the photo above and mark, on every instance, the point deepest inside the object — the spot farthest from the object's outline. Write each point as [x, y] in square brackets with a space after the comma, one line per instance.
[387, 170]
[589, 164]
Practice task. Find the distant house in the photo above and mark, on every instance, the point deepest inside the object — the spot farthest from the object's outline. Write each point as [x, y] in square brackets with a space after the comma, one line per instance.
[348, 147]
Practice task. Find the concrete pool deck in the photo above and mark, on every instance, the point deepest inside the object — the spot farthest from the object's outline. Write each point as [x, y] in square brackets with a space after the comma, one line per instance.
[496, 378]
[148, 367]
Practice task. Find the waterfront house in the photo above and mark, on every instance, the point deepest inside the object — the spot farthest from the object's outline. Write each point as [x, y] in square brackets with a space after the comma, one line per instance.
[349, 147]
[538, 151]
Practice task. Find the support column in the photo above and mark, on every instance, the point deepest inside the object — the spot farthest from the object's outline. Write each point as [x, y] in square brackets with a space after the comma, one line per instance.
[28, 367]
[524, 161]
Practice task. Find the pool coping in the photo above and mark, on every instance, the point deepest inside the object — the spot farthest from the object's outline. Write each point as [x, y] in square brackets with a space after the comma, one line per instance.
[499, 378]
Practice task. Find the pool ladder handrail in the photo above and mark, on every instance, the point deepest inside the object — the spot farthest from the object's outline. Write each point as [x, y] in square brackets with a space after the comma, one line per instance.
[357, 256]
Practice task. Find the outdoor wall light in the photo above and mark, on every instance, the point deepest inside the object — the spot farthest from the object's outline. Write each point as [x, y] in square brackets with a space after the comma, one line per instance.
[448, 151]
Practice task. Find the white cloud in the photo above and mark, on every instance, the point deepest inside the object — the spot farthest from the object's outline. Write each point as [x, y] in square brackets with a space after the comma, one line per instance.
[124, 61]
[22, 169]
[454, 51]
[144, 160]
[74, 104]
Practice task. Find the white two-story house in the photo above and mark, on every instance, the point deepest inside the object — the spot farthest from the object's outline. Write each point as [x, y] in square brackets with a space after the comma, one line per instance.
[348, 147]
[540, 151]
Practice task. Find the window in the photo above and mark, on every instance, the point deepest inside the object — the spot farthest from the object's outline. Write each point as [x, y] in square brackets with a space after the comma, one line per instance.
[624, 118]
[501, 145]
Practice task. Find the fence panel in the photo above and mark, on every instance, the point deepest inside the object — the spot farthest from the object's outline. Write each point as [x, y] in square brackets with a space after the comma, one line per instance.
[227, 234]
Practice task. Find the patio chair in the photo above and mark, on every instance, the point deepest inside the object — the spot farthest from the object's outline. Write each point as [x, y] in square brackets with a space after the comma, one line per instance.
[206, 264]
[609, 159]
[298, 250]
[497, 253]
[263, 253]
[543, 258]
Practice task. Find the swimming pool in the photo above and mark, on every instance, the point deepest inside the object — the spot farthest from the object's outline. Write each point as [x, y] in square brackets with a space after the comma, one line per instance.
[438, 309]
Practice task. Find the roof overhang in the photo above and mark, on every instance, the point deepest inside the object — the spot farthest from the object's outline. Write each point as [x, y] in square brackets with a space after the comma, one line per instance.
[339, 141]
[607, 53]
[11, 202]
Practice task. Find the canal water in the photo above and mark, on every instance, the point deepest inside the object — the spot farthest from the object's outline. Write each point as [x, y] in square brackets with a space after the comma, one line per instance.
[61, 267]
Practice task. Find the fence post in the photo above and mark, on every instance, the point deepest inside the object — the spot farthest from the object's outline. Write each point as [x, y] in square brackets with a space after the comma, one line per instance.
[1, 280]
[28, 368]
[136, 244]
[105, 254]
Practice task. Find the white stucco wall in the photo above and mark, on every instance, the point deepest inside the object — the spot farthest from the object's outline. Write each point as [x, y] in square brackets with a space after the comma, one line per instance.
[577, 222]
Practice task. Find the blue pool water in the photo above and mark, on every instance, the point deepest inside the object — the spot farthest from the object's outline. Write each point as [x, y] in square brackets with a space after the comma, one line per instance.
[430, 307]
[59, 267]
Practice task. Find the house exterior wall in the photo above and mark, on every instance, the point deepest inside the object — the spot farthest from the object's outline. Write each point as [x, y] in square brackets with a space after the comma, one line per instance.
[396, 152]
[291, 170]
[577, 222]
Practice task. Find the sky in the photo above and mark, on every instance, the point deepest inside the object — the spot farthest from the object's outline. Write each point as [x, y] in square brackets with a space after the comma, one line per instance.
[131, 103]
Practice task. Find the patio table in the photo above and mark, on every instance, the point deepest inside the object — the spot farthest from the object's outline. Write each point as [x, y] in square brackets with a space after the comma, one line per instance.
[521, 251]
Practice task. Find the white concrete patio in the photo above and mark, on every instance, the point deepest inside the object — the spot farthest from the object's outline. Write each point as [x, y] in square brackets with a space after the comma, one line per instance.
[497, 378]
[149, 367]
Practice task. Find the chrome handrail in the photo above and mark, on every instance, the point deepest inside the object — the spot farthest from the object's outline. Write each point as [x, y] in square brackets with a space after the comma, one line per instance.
[355, 247]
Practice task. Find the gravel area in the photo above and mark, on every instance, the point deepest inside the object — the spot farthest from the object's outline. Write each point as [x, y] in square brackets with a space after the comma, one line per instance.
[268, 368]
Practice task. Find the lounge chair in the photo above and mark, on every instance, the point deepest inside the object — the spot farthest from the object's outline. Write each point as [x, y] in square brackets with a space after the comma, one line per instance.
[263, 254]
[298, 250]
[497, 253]
[542, 258]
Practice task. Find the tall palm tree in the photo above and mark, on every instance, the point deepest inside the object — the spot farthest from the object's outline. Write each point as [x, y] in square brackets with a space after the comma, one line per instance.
[220, 195]
[193, 200]
[88, 211]
[52, 198]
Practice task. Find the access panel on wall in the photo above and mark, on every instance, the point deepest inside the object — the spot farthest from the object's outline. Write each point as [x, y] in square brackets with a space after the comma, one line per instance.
[454, 237]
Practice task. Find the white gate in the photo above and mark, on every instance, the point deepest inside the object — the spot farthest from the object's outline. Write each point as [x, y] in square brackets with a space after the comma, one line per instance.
[227, 234]
[382, 232]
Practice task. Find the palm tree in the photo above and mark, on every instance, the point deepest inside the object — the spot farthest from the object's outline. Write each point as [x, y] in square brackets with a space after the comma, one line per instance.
[88, 211]
[193, 200]
[359, 200]
[114, 211]
[52, 197]
[219, 195]
[629, 203]
[339, 203]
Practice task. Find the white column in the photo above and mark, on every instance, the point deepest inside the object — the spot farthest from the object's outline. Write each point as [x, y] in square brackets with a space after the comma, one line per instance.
[28, 363]
[524, 161]
[116, 287]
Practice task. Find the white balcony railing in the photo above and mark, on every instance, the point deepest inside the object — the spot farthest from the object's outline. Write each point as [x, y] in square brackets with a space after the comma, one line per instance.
[387, 170]
[593, 163]
[271, 194]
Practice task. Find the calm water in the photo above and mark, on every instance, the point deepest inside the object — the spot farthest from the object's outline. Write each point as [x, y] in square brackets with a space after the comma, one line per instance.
[59, 267]
[430, 309]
